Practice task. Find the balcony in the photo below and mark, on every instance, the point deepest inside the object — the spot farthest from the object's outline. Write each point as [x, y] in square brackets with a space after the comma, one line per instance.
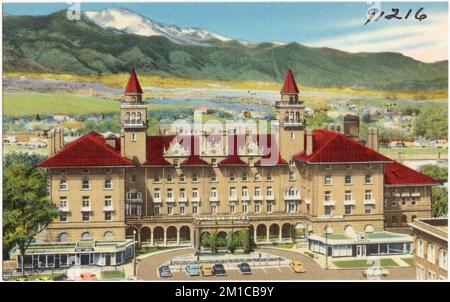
[64, 209]
[329, 202]
[170, 200]
[369, 201]
[86, 209]
[134, 124]
[416, 194]
[396, 194]
[233, 198]
[182, 199]
[281, 104]
[257, 198]
[292, 124]
[214, 198]
[155, 200]
[350, 202]
[108, 209]
[331, 216]
[245, 198]
[195, 199]
[292, 197]
[270, 197]
[405, 194]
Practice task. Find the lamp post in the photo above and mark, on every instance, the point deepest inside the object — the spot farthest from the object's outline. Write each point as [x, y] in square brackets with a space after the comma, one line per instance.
[134, 254]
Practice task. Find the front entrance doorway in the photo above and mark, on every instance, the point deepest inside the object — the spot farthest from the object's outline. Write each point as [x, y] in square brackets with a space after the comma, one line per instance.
[360, 250]
[84, 259]
[108, 259]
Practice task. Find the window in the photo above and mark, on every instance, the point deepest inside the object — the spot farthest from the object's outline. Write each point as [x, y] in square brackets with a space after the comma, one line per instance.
[291, 175]
[108, 184]
[157, 193]
[108, 215]
[413, 201]
[85, 201]
[291, 207]
[182, 178]
[368, 209]
[348, 180]
[213, 177]
[257, 176]
[133, 137]
[245, 177]
[257, 191]
[63, 202]
[86, 185]
[291, 162]
[176, 163]
[368, 195]
[169, 210]
[157, 179]
[404, 201]
[156, 210]
[348, 209]
[244, 208]
[182, 193]
[232, 177]
[233, 192]
[348, 195]
[214, 209]
[214, 162]
[182, 210]
[232, 208]
[431, 275]
[292, 135]
[169, 193]
[431, 253]
[269, 191]
[63, 185]
[327, 180]
[244, 192]
[194, 209]
[269, 208]
[269, 176]
[368, 179]
[368, 166]
[108, 201]
[194, 177]
[194, 193]
[328, 210]
[85, 216]
[420, 272]
[169, 178]
[257, 208]
[328, 167]
[64, 237]
[443, 259]
[213, 192]
[63, 216]
[86, 171]
[327, 196]
[133, 178]
[348, 167]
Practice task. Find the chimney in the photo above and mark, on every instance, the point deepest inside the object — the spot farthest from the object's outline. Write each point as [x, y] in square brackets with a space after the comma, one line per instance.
[309, 142]
[51, 142]
[351, 126]
[372, 138]
[62, 138]
[57, 140]
[111, 140]
[122, 142]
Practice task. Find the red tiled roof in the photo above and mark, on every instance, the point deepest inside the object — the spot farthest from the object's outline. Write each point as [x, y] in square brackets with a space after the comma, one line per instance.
[289, 86]
[398, 174]
[133, 85]
[155, 150]
[334, 147]
[90, 150]
[233, 158]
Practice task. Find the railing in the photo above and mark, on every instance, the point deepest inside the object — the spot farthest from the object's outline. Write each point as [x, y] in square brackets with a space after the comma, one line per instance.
[233, 198]
[331, 216]
[195, 199]
[257, 198]
[329, 202]
[288, 104]
[369, 201]
[349, 202]
[134, 200]
[108, 208]
[292, 197]
[64, 209]
[270, 197]
[170, 199]
[86, 209]
[415, 194]
[213, 198]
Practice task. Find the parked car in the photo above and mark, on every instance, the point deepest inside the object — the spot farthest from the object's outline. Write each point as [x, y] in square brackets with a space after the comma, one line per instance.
[207, 270]
[193, 270]
[219, 270]
[164, 271]
[244, 268]
[375, 271]
[297, 267]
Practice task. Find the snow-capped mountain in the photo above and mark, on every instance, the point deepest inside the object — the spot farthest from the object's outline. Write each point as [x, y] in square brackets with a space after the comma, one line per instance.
[125, 21]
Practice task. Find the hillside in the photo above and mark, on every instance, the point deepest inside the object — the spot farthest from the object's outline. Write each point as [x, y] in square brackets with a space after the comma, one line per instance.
[55, 44]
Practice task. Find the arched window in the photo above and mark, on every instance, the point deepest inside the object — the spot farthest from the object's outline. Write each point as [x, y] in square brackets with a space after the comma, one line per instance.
[368, 228]
[139, 118]
[431, 253]
[328, 230]
[86, 184]
[443, 259]
[292, 191]
[127, 118]
[291, 119]
[286, 117]
[108, 235]
[328, 180]
[133, 118]
[419, 248]
[108, 184]
[63, 237]
[297, 117]
[86, 236]
[63, 185]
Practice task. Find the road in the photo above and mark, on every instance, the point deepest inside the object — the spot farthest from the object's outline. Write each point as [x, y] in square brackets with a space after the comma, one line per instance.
[147, 270]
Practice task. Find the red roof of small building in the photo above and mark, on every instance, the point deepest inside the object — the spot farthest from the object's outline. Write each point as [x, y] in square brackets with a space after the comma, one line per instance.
[334, 147]
[90, 150]
[398, 174]
[289, 86]
[133, 85]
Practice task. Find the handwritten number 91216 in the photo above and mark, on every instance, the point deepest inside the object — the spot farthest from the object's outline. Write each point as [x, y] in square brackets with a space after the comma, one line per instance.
[375, 14]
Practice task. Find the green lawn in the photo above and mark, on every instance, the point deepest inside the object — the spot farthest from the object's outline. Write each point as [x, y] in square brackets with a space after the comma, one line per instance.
[31, 103]
[152, 249]
[364, 263]
[410, 261]
[280, 245]
[378, 235]
[113, 275]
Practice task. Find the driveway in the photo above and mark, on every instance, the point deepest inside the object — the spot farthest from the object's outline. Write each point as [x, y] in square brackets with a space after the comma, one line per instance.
[147, 270]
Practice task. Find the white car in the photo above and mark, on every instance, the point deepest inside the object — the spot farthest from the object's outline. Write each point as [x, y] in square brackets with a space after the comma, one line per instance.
[376, 271]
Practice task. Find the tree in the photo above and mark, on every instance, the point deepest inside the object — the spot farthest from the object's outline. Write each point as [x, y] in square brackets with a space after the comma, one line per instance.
[26, 210]
[439, 204]
[210, 241]
[232, 242]
[245, 241]
[432, 122]
[436, 172]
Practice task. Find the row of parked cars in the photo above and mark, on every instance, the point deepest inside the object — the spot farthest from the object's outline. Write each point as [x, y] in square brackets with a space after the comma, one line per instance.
[219, 270]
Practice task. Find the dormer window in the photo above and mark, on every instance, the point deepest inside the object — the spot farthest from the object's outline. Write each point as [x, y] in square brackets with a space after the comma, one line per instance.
[169, 178]
[182, 178]
[194, 177]
[157, 178]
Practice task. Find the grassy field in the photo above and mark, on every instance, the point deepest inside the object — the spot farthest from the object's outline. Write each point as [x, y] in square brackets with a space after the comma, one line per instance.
[423, 153]
[118, 80]
[364, 263]
[30, 104]
[113, 275]
[10, 149]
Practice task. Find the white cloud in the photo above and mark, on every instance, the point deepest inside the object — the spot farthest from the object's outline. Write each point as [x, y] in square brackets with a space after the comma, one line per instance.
[425, 40]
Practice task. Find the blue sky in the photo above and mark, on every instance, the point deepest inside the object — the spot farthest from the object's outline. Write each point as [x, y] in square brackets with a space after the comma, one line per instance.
[336, 25]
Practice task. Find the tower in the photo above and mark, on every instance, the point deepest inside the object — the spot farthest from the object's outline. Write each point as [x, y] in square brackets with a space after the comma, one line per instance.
[290, 113]
[133, 122]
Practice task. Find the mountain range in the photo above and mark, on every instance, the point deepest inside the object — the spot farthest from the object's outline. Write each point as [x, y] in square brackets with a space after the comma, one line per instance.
[109, 42]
